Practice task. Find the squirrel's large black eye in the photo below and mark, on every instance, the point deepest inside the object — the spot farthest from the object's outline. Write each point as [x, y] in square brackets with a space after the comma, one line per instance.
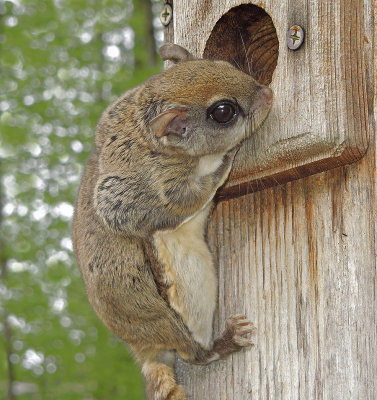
[223, 112]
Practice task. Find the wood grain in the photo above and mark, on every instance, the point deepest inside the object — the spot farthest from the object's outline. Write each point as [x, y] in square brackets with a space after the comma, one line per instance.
[320, 112]
[299, 258]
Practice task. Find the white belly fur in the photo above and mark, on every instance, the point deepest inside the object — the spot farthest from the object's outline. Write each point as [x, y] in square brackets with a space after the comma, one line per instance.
[189, 270]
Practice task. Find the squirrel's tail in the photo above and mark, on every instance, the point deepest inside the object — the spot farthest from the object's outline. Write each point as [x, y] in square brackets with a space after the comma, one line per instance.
[160, 377]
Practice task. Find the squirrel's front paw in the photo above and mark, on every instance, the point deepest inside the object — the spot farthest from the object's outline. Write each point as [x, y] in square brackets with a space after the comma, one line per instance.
[235, 337]
[238, 331]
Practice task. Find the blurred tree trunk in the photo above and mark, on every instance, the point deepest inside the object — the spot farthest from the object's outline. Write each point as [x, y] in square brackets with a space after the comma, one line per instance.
[145, 45]
[151, 42]
[7, 328]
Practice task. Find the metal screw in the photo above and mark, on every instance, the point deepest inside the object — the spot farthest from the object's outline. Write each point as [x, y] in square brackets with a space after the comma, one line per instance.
[166, 15]
[295, 37]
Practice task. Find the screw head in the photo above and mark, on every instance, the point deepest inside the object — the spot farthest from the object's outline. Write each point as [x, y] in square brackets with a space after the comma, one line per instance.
[295, 37]
[166, 15]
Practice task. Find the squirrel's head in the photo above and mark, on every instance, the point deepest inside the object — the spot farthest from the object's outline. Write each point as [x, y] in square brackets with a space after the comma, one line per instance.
[201, 106]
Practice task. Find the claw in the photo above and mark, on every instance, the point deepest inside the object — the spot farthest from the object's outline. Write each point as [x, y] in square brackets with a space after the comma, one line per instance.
[247, 330]
[237, 317]
[236, 320]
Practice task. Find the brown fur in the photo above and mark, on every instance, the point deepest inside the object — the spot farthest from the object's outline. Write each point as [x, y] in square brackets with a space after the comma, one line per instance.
[142, 209]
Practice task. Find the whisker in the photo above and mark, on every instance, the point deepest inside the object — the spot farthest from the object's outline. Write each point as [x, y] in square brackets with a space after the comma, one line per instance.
[278, 184]
[244, 47]
[238, 65]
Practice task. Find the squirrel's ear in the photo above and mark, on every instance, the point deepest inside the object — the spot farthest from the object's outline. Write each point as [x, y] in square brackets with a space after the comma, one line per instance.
[175, 53]
[170, 122]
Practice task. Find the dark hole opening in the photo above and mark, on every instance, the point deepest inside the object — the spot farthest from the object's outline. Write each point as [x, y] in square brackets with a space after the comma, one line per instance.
[246, 37]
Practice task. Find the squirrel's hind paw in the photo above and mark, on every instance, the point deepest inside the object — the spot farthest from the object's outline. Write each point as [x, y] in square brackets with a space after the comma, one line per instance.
[239, 328]
[177, 393]
[161, 383]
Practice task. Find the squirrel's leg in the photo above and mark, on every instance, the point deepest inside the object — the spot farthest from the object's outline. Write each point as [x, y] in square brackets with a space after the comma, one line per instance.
[158, 365]
[234, 338]
[159, 375]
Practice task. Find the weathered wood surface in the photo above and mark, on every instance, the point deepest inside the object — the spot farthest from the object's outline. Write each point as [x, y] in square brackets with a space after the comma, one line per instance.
[319, 117]
[299, 259]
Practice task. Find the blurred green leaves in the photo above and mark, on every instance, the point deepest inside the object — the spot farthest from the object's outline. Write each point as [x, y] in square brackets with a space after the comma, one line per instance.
[62, 62]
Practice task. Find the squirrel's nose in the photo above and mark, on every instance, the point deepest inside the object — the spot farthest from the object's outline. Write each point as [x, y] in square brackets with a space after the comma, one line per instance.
[263, 99]
[266, 95]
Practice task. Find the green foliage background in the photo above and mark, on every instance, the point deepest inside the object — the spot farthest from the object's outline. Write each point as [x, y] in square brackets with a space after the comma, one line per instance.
[62, 62]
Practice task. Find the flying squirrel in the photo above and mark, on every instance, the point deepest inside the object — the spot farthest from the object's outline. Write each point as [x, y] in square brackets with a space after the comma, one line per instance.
[161, 152]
